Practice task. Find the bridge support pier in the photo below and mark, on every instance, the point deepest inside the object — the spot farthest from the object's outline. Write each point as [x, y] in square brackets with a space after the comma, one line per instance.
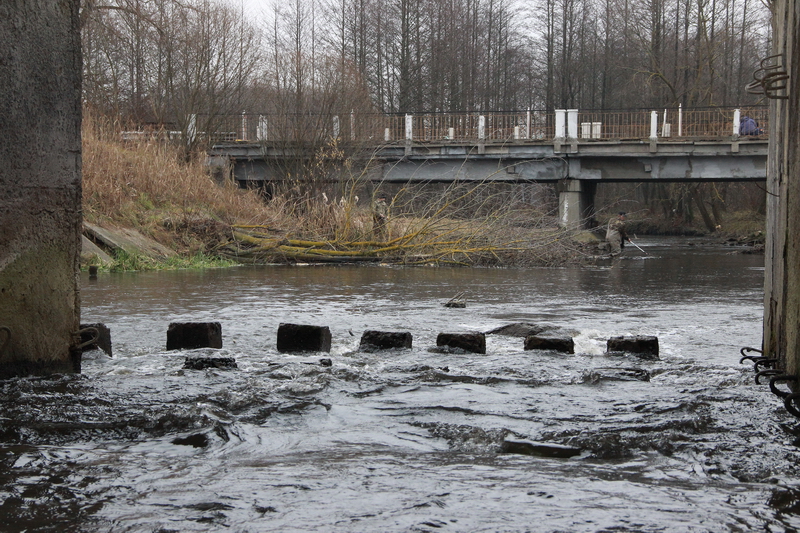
[40, 187]
[576, 203]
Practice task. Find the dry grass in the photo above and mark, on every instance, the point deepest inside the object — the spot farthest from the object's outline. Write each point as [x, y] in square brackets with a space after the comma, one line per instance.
[146, 184]
[149, 185]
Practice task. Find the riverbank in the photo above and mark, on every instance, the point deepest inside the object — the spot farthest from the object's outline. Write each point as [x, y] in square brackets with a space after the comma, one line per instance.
[149, 188]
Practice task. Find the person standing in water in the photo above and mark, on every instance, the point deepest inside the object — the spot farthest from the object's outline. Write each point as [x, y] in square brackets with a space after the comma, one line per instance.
[616, 234]
[380, 218]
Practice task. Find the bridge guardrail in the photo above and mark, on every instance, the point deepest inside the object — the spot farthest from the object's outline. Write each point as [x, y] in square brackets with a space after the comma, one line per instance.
[500, 127]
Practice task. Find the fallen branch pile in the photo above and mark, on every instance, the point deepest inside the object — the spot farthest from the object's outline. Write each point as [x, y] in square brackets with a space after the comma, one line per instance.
[441, 245]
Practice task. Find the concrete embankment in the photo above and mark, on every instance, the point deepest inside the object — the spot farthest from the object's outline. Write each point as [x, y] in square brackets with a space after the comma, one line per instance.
[98, 244]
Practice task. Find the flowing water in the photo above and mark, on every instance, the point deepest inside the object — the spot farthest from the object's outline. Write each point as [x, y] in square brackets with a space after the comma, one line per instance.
[410, 440]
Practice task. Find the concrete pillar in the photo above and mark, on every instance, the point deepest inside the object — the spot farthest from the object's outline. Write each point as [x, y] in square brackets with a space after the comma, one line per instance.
[782, 249]
[40, 186]
[576, 203]
[737, 117]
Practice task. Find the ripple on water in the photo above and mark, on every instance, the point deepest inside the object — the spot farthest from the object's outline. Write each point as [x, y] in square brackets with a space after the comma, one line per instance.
[409, 440]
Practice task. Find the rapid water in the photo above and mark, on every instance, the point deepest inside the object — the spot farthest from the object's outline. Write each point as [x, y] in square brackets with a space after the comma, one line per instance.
[410, 440]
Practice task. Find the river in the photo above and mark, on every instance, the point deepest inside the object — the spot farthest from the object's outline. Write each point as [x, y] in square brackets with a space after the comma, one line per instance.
[410, 440]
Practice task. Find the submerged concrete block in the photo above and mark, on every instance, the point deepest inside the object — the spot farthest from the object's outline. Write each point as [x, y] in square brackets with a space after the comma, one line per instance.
[303, 338]
[540, 449]
[191, 335]
[201, 363]
[384, 340]
[542, 342]
[519, 329]
[644, 346]
[103, 341]
[468, 342]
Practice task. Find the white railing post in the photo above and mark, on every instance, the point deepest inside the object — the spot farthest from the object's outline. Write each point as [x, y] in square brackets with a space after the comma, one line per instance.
[653, 125]
[387, 134]
[561, 123]
[737, 117]
[572, 123]
[244, 125]
[261, 128]
[409, 127]
[516, 132]
[336, 126]
[528, 125]
[451, 133]
[352, 126]
[481, 127]
[680, 120]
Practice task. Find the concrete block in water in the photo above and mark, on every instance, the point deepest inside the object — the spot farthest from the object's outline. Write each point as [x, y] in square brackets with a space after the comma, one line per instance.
[191, 335]
[303, 338]
[558, 344]
[103, 341]
[201, 363]
[469, 342]
[519, 329]
[384, 340]
[540, 449]
[644, 346]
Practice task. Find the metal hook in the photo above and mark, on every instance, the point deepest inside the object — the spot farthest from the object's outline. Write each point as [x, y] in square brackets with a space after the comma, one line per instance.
[763, 361]
[770, 78]
[788, 402]
[91, 341]
[757, 360]
[749, 349]
[770, 372]
[774, 388]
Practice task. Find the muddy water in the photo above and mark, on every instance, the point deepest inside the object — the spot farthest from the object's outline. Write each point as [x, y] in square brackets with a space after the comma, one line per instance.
[410, 440]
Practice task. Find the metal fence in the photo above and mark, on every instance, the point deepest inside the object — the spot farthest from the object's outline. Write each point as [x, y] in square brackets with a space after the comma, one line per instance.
[502, 127]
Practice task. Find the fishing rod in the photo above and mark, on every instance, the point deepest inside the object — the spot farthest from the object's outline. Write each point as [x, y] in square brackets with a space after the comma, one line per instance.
[636, 245]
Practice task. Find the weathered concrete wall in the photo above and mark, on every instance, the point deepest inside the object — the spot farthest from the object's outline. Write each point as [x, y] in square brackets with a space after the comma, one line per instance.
[40, 185]
[782, 273]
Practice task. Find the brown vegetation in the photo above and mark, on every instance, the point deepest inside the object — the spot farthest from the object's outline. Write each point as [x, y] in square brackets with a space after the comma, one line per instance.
[148, 184]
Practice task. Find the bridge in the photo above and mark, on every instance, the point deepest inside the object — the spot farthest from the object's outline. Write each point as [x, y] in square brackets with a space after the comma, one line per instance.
[576, 150]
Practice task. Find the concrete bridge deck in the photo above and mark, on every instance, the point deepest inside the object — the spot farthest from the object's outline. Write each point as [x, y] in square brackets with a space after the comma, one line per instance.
[576, 162]
[635, 160]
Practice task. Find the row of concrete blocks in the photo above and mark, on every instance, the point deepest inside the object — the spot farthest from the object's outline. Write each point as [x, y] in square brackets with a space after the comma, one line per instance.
[308, 338]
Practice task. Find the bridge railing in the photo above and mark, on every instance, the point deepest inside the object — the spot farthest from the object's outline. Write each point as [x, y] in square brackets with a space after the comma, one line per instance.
[501, 127]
